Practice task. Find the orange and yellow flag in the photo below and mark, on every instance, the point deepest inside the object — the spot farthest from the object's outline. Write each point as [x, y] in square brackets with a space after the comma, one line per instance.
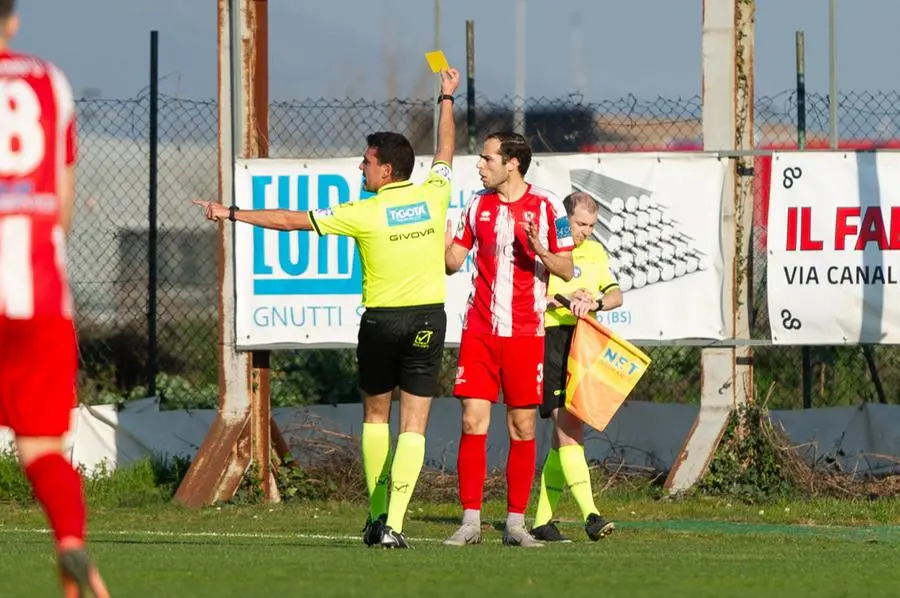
[602, 370]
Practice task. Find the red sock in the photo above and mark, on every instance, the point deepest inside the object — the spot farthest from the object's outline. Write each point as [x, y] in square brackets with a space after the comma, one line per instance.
[519, 474]
[57, 486]
[471, 466]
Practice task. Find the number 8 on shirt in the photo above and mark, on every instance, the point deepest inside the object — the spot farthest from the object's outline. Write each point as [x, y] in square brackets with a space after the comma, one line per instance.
[37, 337]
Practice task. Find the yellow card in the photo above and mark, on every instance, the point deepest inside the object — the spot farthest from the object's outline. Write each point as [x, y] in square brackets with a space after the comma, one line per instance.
[437, 61]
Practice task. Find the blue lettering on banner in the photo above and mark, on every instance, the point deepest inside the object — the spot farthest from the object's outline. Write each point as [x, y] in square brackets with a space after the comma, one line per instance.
[620, 362]
[290, 272]
[619, 316]
[314, 316]
[460, 201]
[363, 193]
[562, 228]
[410, 214]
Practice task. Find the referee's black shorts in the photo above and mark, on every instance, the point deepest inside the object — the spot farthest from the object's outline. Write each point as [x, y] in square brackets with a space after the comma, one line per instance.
[557, 340]
[401, 346]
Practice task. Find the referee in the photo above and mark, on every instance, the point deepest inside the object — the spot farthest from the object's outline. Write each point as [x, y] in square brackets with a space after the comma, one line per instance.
[400, 235]
[592, 288]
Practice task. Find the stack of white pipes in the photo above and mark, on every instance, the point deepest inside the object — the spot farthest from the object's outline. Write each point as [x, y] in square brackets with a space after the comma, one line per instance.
[643, 243]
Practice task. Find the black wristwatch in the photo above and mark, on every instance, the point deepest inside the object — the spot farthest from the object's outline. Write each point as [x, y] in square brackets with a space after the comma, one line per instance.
[599, 305]
[231, 211]
[445, 96]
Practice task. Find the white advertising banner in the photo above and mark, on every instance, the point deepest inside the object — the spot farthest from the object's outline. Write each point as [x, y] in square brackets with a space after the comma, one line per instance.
[660, 220]
[833, 240]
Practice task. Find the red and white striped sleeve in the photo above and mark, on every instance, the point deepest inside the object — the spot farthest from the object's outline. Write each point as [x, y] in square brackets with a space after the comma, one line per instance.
[465, 231]
[65, 106]
[559, 235]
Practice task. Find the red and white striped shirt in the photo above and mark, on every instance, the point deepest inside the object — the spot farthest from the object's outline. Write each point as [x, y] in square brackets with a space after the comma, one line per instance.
[509, 287]
[37, 143]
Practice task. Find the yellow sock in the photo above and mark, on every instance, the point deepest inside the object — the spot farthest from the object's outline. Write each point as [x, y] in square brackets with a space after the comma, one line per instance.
[578, 477]
[376, 457]
[552, 485]
[404, 474]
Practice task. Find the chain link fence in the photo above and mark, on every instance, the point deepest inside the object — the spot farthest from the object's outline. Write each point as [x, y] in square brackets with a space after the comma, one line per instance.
[109, 247]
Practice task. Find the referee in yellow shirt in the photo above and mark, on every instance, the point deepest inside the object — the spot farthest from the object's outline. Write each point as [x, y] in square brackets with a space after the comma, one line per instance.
[400, 235]
[593, 288]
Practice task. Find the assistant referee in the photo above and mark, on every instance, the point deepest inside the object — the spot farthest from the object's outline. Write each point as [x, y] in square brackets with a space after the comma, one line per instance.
[593, 288]
[400, 235]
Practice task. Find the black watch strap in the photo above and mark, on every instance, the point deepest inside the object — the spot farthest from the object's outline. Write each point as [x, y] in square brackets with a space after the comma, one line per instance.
[231, 211]
[445, 96]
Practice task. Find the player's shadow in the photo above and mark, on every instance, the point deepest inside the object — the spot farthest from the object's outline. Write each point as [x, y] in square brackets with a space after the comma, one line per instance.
[285, 543]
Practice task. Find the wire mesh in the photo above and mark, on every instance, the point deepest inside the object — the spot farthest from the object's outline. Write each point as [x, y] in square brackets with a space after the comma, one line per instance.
[109, 244]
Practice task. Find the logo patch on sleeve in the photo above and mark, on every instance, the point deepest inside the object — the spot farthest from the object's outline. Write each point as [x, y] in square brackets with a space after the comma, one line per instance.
[563, 230]
[443, 171]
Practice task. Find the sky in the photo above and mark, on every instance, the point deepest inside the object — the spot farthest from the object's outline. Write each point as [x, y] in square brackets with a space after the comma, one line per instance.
[374, 49]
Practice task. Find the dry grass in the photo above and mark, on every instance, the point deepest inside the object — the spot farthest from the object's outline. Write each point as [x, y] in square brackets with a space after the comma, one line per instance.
[331, 462]
[822, 476]
[817, 475]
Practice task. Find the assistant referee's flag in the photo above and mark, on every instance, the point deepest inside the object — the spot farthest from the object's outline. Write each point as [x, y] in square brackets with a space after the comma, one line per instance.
[602, 370]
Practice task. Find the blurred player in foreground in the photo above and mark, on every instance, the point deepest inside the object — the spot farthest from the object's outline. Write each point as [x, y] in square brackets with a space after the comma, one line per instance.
[593, 288]
[38, 348]
[520, 234]
[401, 333]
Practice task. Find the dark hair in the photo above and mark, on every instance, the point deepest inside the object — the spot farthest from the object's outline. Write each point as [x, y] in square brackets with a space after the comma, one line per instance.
[579, 198]
[7, 8]
[394, 149]
[513, 145]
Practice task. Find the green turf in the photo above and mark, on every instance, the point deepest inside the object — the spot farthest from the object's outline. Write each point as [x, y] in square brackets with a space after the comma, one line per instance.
[691, 548]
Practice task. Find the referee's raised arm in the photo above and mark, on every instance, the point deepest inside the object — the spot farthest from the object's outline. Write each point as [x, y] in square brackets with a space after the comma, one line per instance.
[446, 127]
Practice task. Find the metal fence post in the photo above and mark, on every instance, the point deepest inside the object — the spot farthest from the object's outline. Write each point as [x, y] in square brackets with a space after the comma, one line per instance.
[805, 351]
[470, 83]
[152, 230]
[832, 73]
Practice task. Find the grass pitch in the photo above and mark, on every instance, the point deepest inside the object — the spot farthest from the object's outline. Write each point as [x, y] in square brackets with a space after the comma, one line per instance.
[691, 548]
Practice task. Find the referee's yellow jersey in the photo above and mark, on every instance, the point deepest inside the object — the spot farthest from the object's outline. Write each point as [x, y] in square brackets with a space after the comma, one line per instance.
[400, 236]
[591, 272]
